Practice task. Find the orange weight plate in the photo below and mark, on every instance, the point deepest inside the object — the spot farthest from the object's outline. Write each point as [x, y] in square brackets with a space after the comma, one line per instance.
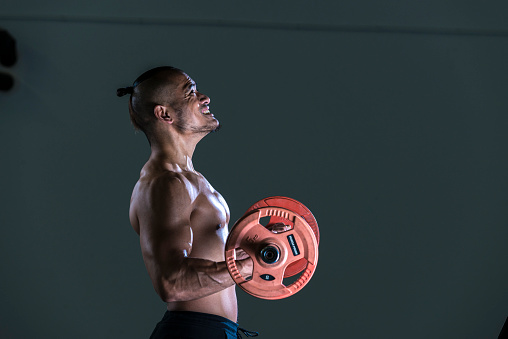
[298, 208]
[272, 253]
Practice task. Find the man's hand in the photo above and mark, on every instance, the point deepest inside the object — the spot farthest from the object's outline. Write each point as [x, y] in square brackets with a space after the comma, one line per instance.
[245, 263]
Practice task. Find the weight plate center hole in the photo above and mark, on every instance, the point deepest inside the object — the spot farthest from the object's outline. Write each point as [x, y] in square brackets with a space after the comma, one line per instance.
[270, 254]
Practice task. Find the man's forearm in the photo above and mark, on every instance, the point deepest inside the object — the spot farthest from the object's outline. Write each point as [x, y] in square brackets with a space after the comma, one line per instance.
[196, 278]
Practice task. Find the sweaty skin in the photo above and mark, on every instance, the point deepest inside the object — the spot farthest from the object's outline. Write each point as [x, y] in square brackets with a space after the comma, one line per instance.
[181, 219]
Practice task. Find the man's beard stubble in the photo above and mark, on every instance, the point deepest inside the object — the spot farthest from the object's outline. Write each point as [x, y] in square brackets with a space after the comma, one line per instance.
[182, 125]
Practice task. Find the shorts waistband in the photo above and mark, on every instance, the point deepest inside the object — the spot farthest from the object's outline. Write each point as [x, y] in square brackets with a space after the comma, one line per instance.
[200, 319]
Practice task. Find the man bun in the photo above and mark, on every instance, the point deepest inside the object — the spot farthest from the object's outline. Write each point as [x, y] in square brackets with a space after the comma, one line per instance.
[124, 91]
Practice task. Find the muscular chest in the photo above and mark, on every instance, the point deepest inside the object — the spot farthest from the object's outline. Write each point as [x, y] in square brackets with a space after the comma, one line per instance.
[210, 214]
[209, 221]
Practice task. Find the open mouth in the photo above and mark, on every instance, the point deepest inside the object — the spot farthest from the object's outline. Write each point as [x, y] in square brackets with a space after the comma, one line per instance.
[205, 111]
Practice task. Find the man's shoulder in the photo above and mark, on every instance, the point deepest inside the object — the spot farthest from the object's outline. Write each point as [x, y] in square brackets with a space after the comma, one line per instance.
[165, 181]
[169, 178]
[172, 185]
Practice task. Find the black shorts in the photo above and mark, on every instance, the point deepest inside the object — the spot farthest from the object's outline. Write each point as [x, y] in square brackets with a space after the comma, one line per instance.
[194, 325]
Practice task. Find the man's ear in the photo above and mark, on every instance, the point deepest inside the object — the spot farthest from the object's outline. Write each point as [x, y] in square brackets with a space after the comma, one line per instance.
[162, 114]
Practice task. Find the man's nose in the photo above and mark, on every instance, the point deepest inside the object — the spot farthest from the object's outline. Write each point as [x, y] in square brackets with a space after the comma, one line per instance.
[204, 99]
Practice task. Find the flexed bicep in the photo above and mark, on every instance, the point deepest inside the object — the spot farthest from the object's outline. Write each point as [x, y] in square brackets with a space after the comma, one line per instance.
[167, 242]
[166, 235]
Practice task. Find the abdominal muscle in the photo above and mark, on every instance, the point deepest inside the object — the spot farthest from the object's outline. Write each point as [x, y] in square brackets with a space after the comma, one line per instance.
[222, 303]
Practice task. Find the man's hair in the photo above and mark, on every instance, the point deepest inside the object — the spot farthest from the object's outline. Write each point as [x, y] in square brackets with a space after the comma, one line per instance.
[147, 91]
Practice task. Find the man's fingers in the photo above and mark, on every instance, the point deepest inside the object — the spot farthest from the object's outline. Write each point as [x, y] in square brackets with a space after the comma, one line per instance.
[241, 254]
[245, 263]
[279, 227]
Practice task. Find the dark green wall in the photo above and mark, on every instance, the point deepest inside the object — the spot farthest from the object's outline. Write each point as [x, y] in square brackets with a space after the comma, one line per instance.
[395, 139]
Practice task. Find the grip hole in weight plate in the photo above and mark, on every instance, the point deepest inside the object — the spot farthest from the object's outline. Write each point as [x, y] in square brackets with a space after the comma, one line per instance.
[286, 281]
[264, 221]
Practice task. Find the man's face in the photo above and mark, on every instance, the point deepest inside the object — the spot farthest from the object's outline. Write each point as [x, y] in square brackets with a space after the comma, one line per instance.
[192, 112]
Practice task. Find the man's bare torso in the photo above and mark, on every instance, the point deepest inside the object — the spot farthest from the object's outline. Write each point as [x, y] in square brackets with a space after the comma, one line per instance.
[208, 218]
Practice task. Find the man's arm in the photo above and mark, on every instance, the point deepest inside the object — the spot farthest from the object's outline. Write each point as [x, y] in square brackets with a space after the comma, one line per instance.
[166, 243]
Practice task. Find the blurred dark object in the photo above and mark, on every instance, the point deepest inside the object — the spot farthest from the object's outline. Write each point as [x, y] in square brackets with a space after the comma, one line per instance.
[6, 82]
[8, 55]
[504, 331]
[8, 58]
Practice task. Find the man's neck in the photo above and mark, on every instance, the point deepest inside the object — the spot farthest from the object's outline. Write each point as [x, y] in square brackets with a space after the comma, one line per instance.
[174, 154]
[176, 160]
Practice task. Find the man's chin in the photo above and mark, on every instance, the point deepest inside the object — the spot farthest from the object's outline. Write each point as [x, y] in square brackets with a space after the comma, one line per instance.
[219, 126]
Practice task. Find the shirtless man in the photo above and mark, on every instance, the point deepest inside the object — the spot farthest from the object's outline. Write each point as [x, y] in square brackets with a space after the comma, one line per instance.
[181, 219]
